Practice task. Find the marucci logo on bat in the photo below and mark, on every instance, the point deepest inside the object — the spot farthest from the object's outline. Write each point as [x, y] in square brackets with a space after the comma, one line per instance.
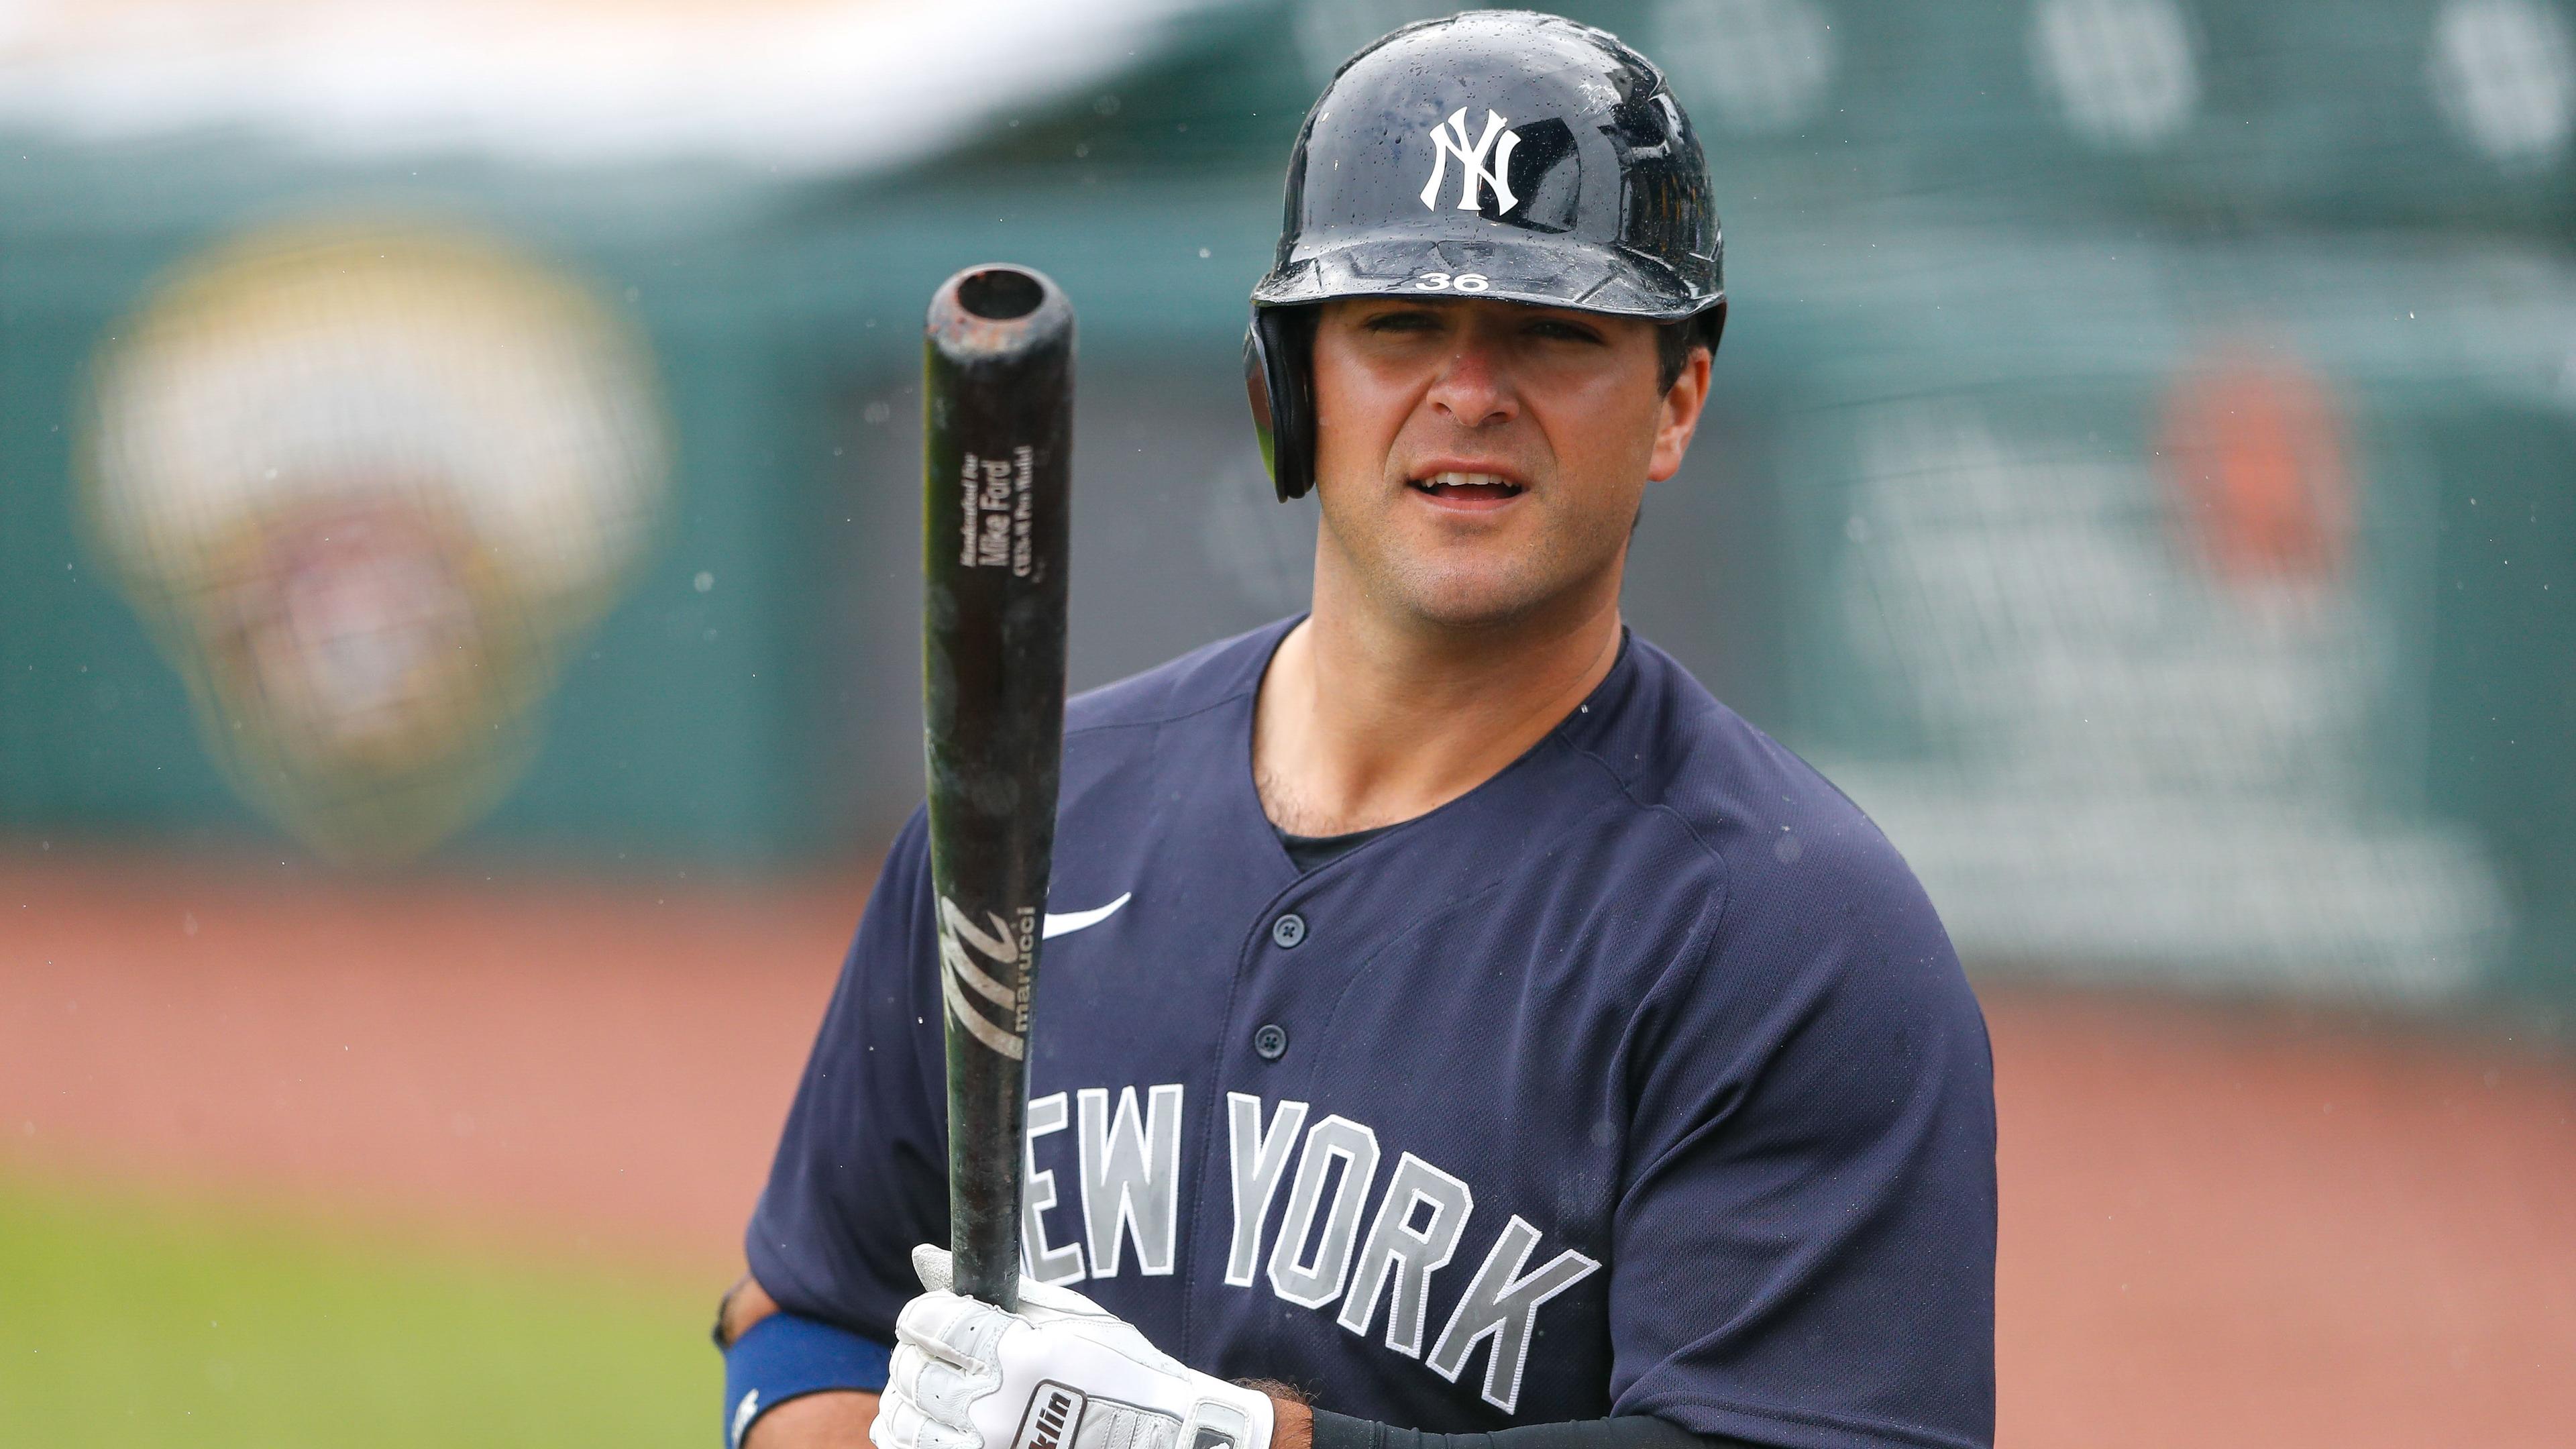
[1006, 946]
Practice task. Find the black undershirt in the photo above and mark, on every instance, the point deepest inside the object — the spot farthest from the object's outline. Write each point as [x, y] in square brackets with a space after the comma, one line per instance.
[1309, 851]
[1628, 1431]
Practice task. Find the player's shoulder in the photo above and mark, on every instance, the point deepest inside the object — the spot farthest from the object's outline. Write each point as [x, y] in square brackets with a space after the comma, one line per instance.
[1768, 824]
[1193, 684]
[1813, 904]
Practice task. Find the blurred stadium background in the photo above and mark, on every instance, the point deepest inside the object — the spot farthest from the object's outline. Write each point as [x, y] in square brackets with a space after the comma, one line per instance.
[457, 641]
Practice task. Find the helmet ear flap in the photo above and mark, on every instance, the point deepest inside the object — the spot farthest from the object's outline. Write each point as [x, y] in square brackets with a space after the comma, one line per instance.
[1278, 383]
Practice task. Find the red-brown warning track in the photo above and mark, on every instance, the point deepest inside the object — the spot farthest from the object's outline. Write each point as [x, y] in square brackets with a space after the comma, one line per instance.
[2221, 1227]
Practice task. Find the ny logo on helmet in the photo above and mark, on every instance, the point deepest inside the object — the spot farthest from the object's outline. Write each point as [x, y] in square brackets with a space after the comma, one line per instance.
[1449, 138]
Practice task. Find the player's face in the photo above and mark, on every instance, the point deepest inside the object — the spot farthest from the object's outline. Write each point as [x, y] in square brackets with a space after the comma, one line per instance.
[1478, 460]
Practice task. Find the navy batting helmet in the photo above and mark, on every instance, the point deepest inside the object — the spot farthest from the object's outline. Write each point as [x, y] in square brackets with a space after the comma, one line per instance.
[1496, 153]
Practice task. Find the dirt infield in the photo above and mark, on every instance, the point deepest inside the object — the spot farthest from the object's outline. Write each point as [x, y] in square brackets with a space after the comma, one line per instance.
[2221, 1227]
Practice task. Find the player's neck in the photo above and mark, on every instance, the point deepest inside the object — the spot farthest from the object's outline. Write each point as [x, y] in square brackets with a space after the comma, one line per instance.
[1366, 719]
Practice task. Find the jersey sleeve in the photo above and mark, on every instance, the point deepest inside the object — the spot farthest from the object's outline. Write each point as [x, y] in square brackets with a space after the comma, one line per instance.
[1804, 1247]
[861, 1170]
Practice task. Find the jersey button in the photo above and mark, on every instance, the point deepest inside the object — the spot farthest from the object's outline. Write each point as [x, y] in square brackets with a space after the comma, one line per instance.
[1271, 1041]
[1288, 930]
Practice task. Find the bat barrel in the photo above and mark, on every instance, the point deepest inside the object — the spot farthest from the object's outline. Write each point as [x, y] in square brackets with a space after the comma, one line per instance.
[997, 400]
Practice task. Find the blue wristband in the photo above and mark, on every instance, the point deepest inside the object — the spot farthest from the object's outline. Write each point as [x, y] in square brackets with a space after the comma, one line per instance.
[784, 1357]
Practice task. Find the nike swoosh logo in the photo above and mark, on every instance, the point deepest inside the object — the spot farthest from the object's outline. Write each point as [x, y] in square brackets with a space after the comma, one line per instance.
[1067, 924]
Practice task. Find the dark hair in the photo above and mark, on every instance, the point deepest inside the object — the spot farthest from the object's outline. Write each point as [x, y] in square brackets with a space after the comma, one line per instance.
[1673, 344]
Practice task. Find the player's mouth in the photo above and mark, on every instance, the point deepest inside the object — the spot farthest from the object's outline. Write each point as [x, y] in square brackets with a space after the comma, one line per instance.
[1462, 489]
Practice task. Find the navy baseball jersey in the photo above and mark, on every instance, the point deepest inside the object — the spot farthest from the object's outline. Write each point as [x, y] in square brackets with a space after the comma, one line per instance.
[1641, 1079]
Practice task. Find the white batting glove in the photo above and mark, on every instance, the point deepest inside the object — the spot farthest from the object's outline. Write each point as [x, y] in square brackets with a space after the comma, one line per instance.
[1062, 1373]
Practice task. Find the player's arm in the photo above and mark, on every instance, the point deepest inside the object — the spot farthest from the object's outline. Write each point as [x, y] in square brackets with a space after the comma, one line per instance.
[822, 1419]
[1304, 1428]
[833, 1420]
[1812, 1150]
[858, 1178]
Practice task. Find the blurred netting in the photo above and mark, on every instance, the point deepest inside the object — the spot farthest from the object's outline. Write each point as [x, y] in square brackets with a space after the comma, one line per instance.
[365, 484]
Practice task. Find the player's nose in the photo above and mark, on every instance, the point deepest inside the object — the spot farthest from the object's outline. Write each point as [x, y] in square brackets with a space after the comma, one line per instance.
[1474, 388]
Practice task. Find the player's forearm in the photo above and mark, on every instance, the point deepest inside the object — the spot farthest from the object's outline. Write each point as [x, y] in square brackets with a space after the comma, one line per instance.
[837, 1419]
[1292, 1424]
[743, 1305]
[824, 1419]
[1319, 1429]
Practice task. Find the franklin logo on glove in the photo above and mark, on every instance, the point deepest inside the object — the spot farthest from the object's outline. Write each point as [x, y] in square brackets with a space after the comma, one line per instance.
[1055, 1409]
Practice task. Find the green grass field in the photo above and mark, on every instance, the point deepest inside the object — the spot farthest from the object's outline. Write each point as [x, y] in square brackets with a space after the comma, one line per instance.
[128, 1321]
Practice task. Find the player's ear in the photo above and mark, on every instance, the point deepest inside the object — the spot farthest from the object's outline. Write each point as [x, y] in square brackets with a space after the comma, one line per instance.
[1278, 376]
[1678, 422]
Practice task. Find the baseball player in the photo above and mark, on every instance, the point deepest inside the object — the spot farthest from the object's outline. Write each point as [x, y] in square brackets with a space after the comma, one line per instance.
[1454, 1020]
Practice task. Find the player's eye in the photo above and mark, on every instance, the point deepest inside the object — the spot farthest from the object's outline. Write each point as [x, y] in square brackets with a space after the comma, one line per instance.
[1405, 319]
[1563, 331]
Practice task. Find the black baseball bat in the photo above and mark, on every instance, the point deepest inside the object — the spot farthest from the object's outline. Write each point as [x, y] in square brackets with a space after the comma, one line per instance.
[997, 456]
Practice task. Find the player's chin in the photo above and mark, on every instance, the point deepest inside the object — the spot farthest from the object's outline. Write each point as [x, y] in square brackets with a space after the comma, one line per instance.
[1456, 589]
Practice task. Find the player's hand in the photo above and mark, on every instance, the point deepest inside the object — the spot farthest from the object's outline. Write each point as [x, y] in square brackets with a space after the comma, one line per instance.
[1062, 1370]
